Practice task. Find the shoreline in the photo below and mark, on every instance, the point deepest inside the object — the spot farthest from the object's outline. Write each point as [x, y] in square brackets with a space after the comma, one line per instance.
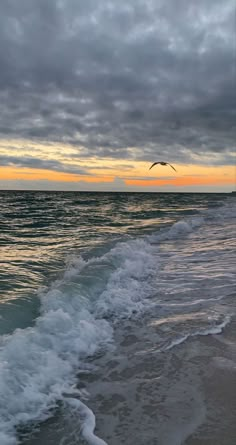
[180, 397]
[219, 383]
[183, 396]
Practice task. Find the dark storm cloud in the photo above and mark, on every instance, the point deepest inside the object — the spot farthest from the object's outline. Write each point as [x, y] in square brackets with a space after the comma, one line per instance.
[109, 75]
[32, 162]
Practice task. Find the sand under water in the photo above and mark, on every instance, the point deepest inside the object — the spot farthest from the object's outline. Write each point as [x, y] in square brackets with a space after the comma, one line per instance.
[183, 396]
[143, 396]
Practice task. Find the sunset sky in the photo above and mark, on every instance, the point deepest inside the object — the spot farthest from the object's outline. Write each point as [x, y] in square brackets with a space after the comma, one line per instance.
[92, 92]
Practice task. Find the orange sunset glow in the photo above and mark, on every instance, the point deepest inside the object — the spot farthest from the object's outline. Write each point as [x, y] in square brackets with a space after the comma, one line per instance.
[133, 175]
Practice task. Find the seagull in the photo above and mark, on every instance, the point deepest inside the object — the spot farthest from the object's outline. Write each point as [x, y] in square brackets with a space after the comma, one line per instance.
[162, 163]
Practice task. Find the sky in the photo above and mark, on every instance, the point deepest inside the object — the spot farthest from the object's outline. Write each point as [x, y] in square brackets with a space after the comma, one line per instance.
[92, 92]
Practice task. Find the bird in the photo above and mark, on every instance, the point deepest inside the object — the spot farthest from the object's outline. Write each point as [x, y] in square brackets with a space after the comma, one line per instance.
[162, 163]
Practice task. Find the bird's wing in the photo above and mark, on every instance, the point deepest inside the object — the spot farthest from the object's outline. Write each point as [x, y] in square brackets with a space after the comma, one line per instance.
[172, 167]
[155, 163]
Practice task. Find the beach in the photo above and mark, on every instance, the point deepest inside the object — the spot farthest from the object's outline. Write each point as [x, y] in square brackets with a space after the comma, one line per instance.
[122, 323]
[141, 396]
[185, 396]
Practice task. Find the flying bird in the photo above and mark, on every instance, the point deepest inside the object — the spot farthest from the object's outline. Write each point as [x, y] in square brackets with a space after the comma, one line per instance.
[162, 163]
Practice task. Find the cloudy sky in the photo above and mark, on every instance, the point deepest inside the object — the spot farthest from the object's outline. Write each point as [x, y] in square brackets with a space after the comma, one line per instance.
[93, 91]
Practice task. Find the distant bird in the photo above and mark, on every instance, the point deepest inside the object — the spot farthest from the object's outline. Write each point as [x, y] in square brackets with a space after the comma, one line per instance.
[162, 163]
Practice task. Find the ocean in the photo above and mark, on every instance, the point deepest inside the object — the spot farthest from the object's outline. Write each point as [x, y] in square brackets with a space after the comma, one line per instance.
[117, 318]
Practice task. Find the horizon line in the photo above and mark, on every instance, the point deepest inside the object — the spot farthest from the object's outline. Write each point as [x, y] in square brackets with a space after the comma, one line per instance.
[111, 191]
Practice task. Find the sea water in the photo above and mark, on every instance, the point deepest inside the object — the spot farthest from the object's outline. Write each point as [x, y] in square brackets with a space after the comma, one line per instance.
[75, 268]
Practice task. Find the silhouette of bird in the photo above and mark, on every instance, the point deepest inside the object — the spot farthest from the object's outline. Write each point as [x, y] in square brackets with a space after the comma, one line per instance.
[162, 163]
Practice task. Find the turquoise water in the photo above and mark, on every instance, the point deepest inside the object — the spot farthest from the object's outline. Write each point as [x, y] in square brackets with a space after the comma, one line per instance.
[72, 264]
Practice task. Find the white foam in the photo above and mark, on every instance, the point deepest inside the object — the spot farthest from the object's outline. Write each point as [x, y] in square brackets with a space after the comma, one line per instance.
[128, 286]
[180, 229]
[38, 365]
[89, 422]
[209, 331]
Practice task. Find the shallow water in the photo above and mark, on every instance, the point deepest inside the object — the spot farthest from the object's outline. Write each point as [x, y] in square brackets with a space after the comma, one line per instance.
[76, 267]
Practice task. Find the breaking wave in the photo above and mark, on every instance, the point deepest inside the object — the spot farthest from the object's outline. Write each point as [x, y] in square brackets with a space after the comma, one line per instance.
[39, 364]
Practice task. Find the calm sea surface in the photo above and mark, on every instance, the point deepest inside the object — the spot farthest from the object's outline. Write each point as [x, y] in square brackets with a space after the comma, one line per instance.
[75, 266]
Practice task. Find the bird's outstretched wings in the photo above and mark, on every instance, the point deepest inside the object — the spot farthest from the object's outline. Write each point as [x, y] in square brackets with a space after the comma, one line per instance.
[162, 163]
[172, 167]
[155, 163]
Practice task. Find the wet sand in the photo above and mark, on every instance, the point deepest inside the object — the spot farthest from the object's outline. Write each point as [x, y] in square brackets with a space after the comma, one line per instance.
[141, 396]
[219, 388]
[182, 396]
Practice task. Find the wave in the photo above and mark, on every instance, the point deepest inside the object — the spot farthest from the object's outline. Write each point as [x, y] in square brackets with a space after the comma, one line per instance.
[39, 364]
[217, 329]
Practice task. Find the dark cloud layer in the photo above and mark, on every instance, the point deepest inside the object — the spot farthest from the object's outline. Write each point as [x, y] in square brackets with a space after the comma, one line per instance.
[112, 75]
[32, 162]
